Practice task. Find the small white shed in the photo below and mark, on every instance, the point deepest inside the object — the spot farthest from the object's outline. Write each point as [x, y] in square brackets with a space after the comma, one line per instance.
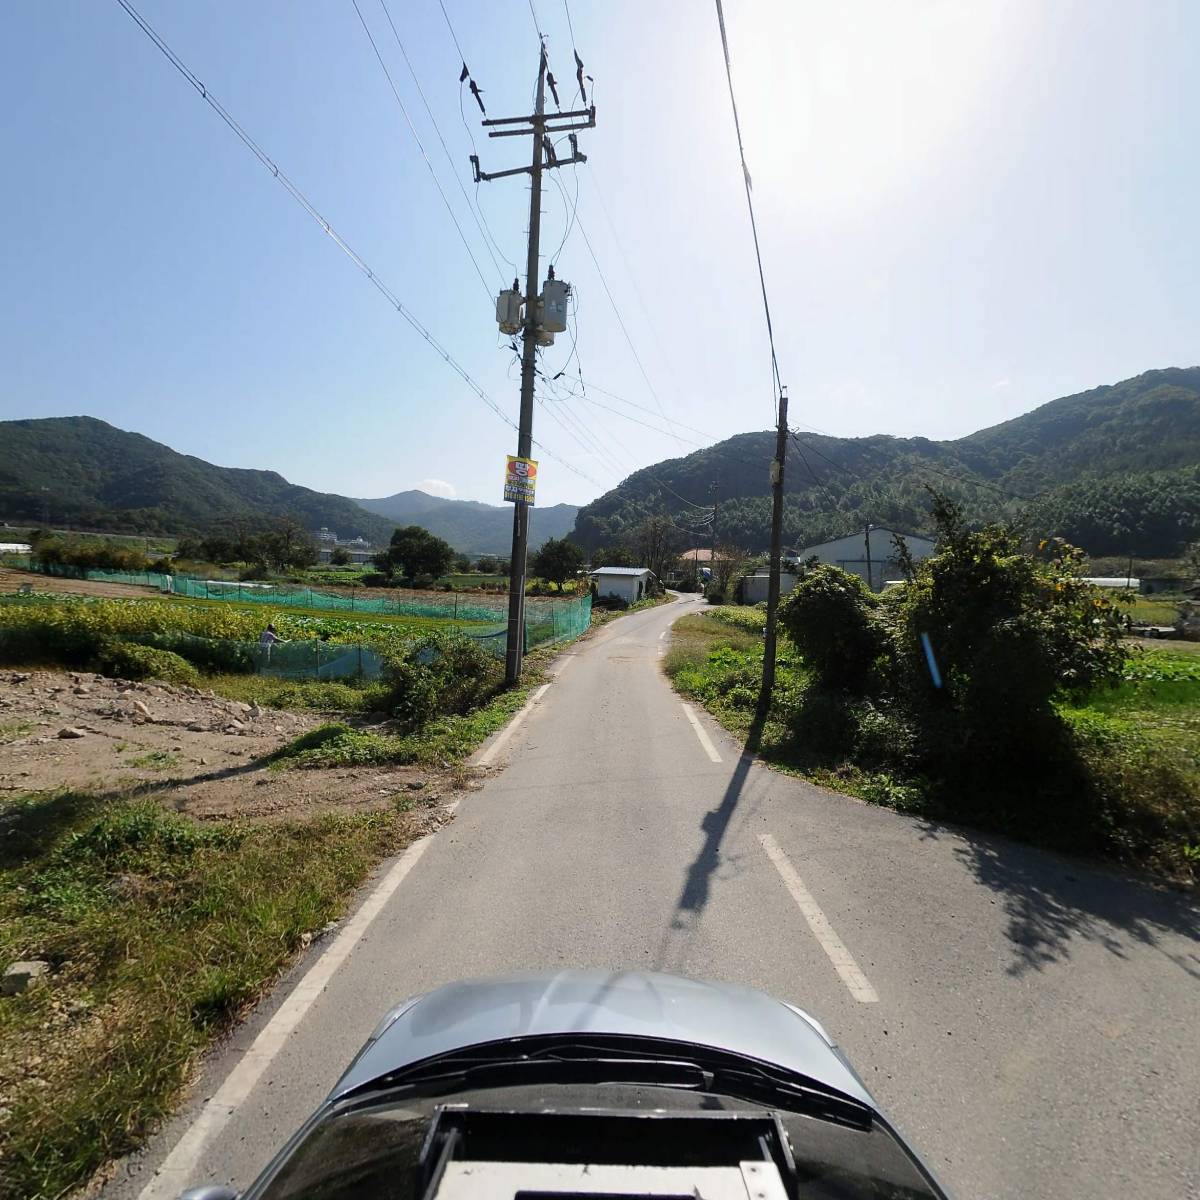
[626, 583]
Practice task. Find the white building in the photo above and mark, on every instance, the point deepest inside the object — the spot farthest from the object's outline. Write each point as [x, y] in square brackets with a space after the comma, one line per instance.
[625, 583]
[869, 555]
[754, 587]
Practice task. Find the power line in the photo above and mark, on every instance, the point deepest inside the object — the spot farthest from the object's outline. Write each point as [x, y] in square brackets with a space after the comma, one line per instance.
[642, 408]
[536, 24]
[749, 203]
[417, 137]
[620, 321]
[329, 230]
[808, 467]
[457, 47]
[477, 216]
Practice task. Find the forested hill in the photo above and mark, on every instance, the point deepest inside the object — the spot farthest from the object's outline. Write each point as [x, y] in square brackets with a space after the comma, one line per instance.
[1114, 469]
[85, 472]
[469, 526]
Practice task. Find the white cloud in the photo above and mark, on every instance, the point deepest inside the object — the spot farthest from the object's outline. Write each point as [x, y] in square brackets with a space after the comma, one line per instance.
[1000, 384]
[437, 487]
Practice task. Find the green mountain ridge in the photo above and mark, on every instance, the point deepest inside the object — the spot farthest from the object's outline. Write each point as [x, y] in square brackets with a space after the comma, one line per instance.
[1116, 468]
[470, 526]
[84, 472]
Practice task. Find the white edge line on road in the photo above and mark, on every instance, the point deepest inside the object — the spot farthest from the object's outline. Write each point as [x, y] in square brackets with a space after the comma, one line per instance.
[843, 961]
[175, 1173]
[701, 733]
[489, 755]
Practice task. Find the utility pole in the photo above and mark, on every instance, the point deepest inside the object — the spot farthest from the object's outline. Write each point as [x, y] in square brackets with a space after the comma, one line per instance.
[770, 640]
[533, 326]
[867, 537]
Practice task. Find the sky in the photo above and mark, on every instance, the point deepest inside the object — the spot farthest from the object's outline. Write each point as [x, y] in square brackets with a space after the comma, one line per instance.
[965, 210]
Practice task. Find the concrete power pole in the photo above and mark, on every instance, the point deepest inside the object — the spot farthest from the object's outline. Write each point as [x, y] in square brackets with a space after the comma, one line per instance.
[539, 126]
[770, 640]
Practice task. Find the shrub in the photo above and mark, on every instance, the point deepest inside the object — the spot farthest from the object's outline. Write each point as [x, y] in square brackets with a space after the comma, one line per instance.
[439, 674]
[213, 656]
[129, 660]
[832, 617]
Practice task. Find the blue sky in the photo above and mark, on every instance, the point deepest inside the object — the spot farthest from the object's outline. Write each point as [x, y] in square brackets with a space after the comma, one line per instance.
[966, 210]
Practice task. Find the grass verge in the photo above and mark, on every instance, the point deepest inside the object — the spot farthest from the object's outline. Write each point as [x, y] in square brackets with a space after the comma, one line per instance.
[1134, 750]
[159, 932]
[314, 695]
[443, 741]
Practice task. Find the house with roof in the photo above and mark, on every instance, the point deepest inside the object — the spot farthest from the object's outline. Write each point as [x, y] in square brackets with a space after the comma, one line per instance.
[630, 584]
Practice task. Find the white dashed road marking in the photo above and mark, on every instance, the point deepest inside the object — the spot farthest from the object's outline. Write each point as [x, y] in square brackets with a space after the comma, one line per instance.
[843, 961]
[702, 734]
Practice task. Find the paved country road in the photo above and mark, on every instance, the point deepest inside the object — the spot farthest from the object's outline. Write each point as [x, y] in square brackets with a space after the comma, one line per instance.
[1033, 1024]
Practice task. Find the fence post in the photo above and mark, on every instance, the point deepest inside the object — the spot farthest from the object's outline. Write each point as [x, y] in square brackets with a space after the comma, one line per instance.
[456, 606]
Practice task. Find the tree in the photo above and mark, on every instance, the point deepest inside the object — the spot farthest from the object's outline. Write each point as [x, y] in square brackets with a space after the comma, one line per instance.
[656, 542]
[462, 564]
[727, 560]
[486, 564]
[288, 544]
[340, 557]
[415, 552]
[614, 556]
[557, 561]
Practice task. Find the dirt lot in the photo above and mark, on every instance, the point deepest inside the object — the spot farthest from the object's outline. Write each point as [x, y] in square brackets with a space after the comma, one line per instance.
[202, 754]
[11, 581]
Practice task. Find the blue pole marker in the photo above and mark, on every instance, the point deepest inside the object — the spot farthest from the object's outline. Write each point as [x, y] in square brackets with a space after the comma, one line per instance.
[934, 673]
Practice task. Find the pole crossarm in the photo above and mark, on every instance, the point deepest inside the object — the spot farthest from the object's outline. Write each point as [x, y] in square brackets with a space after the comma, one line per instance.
[539, 118]
[488, 176]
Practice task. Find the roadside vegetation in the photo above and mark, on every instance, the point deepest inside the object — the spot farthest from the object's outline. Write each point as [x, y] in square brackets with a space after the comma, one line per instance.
[159, 932]
[1046, 724]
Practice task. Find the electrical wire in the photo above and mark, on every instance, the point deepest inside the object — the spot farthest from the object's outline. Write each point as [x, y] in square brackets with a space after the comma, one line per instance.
[712, 437]
[537, 24]
[477, 216]
[420, 146]
[750, 205]
[833, 504]
[341, 243]
[621, 322]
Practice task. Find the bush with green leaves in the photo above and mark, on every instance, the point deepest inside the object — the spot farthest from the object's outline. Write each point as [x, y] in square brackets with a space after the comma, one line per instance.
[1010, 630]
[129, 660]
[439, 674]
[1013, 631]
[834, 620]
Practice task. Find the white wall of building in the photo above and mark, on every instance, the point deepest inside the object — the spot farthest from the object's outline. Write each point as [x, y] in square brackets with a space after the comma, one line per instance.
[624, 587]
[850, 553]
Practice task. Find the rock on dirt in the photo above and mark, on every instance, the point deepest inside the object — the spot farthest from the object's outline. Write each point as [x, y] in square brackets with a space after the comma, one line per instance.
[72, 731]
[21, 976]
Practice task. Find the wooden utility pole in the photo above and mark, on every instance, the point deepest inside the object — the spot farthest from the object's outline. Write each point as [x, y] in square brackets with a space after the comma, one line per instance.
[777, 464]
[539, 126]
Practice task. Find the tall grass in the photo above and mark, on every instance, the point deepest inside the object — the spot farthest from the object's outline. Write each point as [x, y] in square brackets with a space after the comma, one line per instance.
[160, 931]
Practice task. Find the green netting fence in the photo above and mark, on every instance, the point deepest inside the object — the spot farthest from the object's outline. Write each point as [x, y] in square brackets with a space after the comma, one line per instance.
[548, 619]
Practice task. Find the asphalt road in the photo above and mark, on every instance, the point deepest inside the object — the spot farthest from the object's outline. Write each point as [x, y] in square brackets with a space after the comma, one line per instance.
[1032, 1024]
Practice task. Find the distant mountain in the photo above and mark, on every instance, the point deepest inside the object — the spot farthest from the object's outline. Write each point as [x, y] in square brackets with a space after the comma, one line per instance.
[469, 526]
[84, 472]
[1115, 469]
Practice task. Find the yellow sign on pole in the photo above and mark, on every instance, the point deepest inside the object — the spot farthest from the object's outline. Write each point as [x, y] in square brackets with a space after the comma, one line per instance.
[520, 479]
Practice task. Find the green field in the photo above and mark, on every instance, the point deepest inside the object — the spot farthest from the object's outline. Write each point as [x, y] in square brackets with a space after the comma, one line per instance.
[266, 612]
[1153, 610]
